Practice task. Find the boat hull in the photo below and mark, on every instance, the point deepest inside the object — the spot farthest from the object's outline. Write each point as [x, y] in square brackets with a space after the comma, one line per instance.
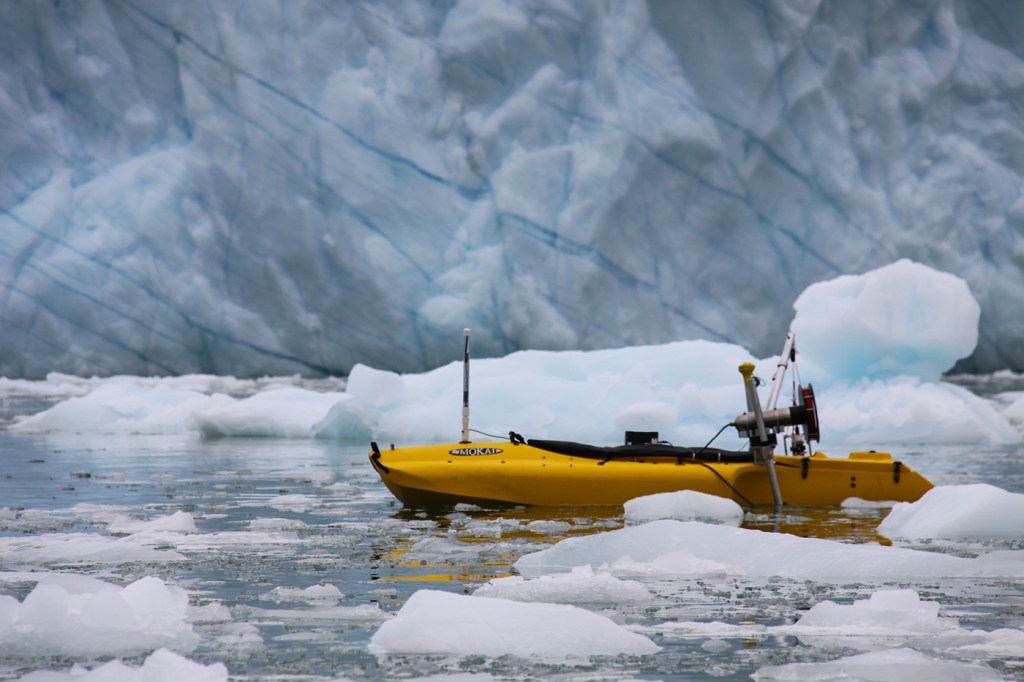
[503, 473]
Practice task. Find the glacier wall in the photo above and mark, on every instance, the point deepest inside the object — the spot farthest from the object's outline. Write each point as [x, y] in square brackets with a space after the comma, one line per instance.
[265, 188]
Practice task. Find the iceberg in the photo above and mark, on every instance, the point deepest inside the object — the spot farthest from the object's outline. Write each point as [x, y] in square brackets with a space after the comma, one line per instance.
[683, 505]
[191, 190]
[75, 615]
[871, 392]
[979, 511]
[442, 623]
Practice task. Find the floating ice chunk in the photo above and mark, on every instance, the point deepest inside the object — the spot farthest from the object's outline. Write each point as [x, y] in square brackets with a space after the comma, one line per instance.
[907, 410]
[887, 612]
[979, 510]
[321, 479]
[347, 420]
[435, 622]
[673, 564]
[758, 554]
[68, 549]
[684, 505]
[214, 612]
[858, 503]
[581, 586]
[1014, 410]
[892, 665]
[904, 319]
[364, 613]
[294, 502]
[123, 405]
[162, 665]
[1001, 644]
[274, 524]
[77, 615]
[279, 413]
[178, 522]
[313, 593]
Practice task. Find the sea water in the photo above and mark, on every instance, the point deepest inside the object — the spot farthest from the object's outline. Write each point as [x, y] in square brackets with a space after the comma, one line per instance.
[277, 518]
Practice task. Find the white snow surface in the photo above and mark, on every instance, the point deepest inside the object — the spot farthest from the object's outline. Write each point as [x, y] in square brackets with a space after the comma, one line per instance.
[281, 187]
[435, 622]
[872, 392]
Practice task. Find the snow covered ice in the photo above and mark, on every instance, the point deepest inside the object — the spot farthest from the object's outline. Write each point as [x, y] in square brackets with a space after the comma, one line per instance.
[276, 189]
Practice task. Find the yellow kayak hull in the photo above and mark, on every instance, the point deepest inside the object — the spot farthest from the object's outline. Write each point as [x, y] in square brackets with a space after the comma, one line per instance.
[503, 473]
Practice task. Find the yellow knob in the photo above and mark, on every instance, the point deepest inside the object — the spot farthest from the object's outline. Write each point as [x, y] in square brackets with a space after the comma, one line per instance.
[747, 370]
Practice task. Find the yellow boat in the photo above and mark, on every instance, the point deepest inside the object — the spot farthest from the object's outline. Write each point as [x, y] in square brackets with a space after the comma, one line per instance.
[565, 473]
[558, 473]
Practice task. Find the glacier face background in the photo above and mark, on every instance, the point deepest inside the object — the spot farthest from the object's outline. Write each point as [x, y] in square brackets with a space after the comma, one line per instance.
[265, 188]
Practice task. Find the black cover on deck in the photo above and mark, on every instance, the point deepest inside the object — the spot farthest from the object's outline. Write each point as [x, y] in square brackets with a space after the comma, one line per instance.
[567, 447]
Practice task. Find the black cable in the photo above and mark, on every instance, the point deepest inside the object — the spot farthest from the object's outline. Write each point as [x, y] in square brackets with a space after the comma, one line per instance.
[512, 436]
[713, 438]
[715, 471]
[722, 478]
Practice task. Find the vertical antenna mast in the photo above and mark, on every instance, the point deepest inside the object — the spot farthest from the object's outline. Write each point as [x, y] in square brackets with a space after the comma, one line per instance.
[780, 371]
[465, 388]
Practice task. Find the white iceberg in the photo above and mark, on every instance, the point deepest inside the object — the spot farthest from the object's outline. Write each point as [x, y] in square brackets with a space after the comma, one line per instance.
[81, 616]
[683, 505]
[978, 510]
[872, 392]
[435, 622]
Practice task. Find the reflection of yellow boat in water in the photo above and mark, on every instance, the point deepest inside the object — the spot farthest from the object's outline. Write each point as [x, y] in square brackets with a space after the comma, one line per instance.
[561, 473]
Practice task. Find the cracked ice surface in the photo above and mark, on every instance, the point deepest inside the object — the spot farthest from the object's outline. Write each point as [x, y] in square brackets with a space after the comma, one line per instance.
[278, 188]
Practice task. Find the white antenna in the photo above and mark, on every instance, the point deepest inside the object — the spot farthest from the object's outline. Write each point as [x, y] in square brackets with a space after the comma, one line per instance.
[780, 370]
[465, 388]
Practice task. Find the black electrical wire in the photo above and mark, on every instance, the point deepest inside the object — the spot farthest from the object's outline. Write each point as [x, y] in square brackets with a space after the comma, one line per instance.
[730, 486]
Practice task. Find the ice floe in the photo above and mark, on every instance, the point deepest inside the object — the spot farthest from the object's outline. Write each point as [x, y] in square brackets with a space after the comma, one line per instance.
[757, 553]
[435, 622]
[77, 615]
[684, 505]
[162, 665]
[892, 665]
[314, 593]
[978, 510]
[580, 586]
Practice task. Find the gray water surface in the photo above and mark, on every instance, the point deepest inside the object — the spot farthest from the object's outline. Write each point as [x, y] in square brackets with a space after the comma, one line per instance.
[352, 534]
